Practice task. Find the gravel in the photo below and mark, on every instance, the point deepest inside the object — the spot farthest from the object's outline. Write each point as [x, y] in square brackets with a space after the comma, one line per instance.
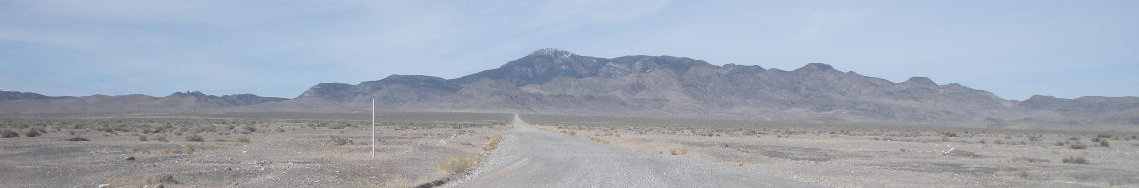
[532, 158]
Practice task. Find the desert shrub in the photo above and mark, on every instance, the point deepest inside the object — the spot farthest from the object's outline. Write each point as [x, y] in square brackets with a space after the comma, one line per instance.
[161, 138]
[187, 149]
[248, 129]
[8, 133]
[1077, 145]
[32, 133]
[1074, 160]
[1029, 160]
[598, 140]
[338, 125]
[164, 178]
[76, 138]
[142, 138]
[1104, 143]
[1022, 174]
[961, 153]
[1059, 143]
[458, 165]
[140, 149]
[341, 140]
[678, 151]
[194, 138]
[492, 143]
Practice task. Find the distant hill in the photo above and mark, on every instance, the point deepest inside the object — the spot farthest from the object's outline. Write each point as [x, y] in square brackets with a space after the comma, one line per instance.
[33, 103]
[552, 81]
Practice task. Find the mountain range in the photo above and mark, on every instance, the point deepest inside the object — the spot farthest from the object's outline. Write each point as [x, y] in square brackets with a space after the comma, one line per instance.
[552, 81]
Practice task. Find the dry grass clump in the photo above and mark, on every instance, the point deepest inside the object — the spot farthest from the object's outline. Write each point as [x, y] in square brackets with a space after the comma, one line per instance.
[678, 151]
[246, 129]
[1074, 160]
[961, 153]
[194, 138]
[76, 138]
[1029, 160]
[1023, 174]
[163, 178]
[598, 140]
[458, 165]
[607, 133]
[187, 149]
[492, 143]
[34, 132]
[8, 133]
[341, 140]
[140, 149]
[1077, 145]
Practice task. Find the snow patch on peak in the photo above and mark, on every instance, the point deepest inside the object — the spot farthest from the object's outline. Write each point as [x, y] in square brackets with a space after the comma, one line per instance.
[551, 52]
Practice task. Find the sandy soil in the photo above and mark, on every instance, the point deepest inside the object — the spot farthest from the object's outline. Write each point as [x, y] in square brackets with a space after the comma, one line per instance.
[332, 150]
[532, 158]
[881, 157]
[275, 153]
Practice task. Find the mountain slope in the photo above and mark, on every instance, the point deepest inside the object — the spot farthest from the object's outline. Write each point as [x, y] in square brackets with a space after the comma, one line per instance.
[559, 82]
[34, 103]
[555, 81]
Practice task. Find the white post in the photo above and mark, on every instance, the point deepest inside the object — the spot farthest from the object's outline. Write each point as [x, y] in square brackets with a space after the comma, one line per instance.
[373, 127]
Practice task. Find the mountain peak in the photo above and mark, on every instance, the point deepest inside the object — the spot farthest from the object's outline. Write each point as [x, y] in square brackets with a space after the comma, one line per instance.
[551, 52]
[188, 94]
[1041, 97]
[815, 67]
[405, 78]
[919, 80]
[16, 95]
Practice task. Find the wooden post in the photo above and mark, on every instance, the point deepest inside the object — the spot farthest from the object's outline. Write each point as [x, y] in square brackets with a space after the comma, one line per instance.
[373, 127]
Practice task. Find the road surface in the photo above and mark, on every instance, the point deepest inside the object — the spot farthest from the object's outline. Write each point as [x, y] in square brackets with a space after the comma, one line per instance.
[532, 158]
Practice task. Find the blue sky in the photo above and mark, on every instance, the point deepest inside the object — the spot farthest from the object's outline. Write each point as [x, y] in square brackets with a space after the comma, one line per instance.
[280, 48]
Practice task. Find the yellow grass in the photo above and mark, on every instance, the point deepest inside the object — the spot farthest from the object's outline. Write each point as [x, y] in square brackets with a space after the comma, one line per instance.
[458, 165]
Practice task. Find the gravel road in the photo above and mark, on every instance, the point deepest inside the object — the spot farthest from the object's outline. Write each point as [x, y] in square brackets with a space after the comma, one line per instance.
[532, 158]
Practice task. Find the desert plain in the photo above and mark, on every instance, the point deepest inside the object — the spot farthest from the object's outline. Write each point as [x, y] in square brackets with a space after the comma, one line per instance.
[430, 149]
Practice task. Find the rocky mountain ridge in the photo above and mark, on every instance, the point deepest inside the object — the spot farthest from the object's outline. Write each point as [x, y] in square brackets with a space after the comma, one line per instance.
[13, 102]
[552, 81]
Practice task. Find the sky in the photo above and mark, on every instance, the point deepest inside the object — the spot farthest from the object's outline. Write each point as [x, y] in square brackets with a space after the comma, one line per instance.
[280, 48]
